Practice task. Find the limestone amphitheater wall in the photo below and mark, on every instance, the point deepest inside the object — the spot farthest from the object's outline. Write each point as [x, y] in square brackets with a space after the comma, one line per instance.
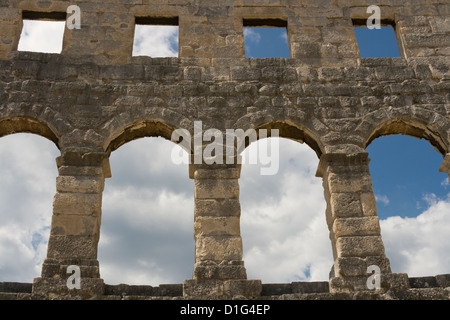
[95, 96]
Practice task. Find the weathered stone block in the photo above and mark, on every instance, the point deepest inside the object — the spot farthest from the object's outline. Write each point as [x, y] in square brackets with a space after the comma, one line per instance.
[217, 207]
[216, 188]
[246, 288]
[75, 225]
[349, 182]
[217, 173]
[81, 247]
[213, 270]
[202, 288]
[359, 246]
[356, 226]
[345, 204]
[56, 289]
[209, 226]
[310, 287]
[368, 203]
[77, 203]
[350, 267]
[443, 280]
[218, 248]
[88, 184]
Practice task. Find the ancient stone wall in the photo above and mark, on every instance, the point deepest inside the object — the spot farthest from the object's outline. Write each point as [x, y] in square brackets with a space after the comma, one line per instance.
[95, 96]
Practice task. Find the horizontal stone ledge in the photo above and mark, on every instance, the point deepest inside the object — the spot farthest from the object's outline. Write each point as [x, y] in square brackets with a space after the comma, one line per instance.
[274, 289]
[441, 280]
[163, 290]
[16, 287]
[57, 288]
[359, 283]
[213, 287]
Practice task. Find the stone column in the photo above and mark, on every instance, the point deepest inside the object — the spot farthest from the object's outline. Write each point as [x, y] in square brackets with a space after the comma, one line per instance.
[75, 227]
[219, 269]
[353, 223]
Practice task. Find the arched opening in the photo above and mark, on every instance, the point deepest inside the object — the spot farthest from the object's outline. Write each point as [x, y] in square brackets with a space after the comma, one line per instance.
[28, 173]
[147, 213]
[284, 231]
[413, 203]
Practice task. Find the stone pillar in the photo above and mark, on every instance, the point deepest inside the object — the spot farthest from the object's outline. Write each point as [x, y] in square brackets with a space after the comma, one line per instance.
[219, 269]
[75, 227]
[353, 223]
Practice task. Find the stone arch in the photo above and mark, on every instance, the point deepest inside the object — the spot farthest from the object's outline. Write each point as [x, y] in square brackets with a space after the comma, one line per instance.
[154, 199]
[23, 124]
[151, 122]
[293, 125]
[292, 203]
[288, 128]
[419, 123]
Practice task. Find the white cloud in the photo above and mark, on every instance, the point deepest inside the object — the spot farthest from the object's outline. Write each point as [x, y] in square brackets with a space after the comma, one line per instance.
[284, 36]
[251, 35]
[284, 231]
[251, 38]
[147, 216]
[382, 198]
[27, 174]
[155, 41]
[419, 246]
[42, 36]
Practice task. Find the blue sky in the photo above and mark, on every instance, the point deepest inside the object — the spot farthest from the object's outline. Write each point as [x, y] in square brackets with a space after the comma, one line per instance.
[405, 175]
[147, 209]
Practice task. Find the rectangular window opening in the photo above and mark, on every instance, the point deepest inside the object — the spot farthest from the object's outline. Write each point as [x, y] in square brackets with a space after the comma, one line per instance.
[376, 43]
[266, 38]
[156, 37]
[42, 32]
